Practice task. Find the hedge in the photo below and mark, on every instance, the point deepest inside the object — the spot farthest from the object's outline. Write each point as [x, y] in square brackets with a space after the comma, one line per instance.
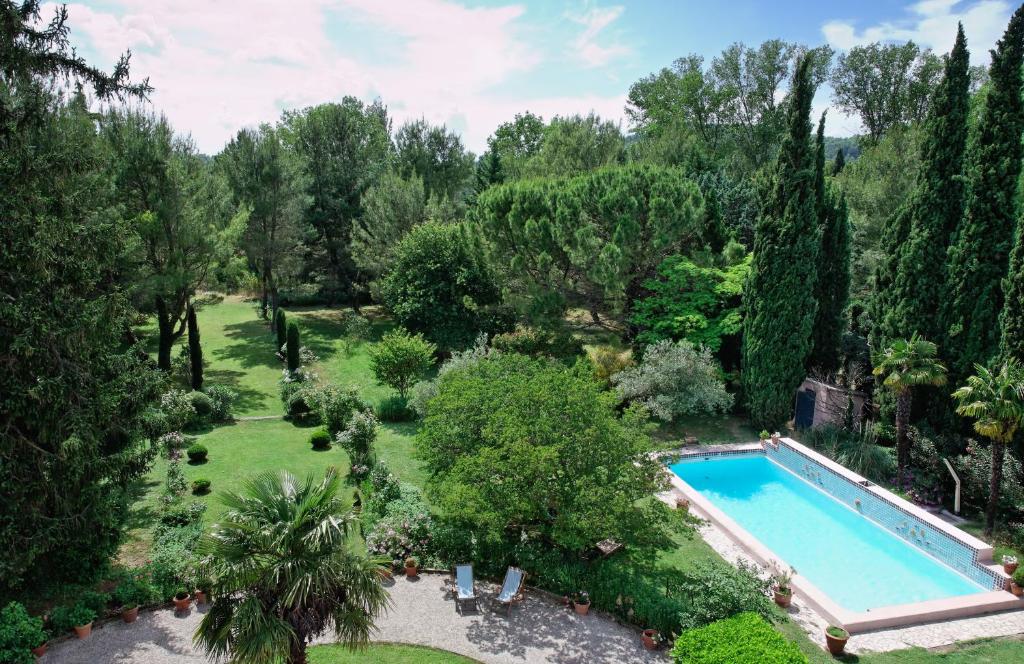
[745, 638]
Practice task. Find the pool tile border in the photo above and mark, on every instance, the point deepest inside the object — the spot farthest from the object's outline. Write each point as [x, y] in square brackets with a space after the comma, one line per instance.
[891, 616]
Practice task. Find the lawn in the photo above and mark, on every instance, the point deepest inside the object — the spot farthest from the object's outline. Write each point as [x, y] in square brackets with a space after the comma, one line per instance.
[384, 653]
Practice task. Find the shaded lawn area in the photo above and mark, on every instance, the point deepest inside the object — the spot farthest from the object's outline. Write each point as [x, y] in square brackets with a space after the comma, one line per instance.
[709, 430]
[384, 653]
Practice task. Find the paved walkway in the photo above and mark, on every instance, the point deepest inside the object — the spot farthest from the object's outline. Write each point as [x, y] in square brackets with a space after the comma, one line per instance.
[539, 630]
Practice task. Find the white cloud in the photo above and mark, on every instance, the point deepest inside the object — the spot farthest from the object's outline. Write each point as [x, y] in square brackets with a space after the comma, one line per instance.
[585, 46]
[218, 67]
[931, 23]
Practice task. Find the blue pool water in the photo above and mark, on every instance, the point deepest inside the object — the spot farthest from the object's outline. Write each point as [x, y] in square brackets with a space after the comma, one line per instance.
[854, 561]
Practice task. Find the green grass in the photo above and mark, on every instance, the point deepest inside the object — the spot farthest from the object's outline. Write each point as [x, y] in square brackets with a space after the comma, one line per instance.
[384, 653]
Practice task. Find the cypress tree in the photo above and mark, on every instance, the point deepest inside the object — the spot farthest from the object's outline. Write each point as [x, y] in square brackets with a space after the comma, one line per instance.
[293, 346]
[779, 297]
[881, 332]
[839, 163]
[833, 283]
[195, 350]
[918, 289]
[979, 255]
[1012, 321]
[281, 328]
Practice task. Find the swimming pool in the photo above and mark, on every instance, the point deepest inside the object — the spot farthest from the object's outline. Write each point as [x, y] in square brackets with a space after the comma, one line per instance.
[864, 557]
[856, 562]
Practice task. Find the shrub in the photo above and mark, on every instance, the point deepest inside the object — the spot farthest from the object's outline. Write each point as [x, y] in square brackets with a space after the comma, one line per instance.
[675, 379]
[95, 601]
[357, 329]
[178, 409]
[170, 443]
[292, 346]
[19, 634]
[404, 529]
[178, 516]
[1018, 576]
[400, 359]
[608, 361]
[155, 423]
[200, 486]
[135, 590]
[857, 451]
[280, 329]
[202, 404]
[743, 639]
[299, 394]
[197, 453]
[64, 618]
[222, 399]
[536, 342]
[357, 438]
[175, 484]
[395, 409]
[716, 591]
[320, 439]
[336, 406]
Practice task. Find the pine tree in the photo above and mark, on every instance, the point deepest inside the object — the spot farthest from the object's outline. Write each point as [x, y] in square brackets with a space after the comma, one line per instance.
[195, 350]
[935, 207]
[293, 346]
[1012, 320]
[779, 298]
[839, 163]
[979, 255]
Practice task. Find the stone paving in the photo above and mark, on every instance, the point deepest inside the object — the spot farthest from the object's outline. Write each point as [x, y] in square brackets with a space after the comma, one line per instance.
[422, 613]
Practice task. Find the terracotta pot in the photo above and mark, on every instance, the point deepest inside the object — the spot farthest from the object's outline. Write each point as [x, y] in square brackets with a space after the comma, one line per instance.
[83, 631]
[129, 615]
[1010, 568]
[683, 504]
[200, 596]
[648, 637]
[783, 599]
[410, 572]
[39, 651]
[582, 609]
[565, 600]
[836, 645]
[182, 603]
[1015, 589]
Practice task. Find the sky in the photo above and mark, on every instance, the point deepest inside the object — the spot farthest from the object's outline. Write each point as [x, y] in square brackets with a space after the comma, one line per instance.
[218, 66]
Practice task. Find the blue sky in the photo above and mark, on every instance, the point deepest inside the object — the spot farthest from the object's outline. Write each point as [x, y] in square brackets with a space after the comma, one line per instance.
[470, 64]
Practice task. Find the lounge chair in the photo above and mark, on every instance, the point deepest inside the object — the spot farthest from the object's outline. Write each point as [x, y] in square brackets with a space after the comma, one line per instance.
[463, 587]
[512, 589]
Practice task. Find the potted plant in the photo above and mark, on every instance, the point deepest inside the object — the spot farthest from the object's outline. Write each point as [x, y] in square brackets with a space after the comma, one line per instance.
[764, 436]
[682, 503]
[652, 639]
[182, 600]
[581, 602]
[202, 590]
[20, 632]
[775, 439]
[130, 595]
[410, 567]
[836, 638]
[1017, 582]
[1010, 564]
[80, 616]
[781, 588]
[40, 649]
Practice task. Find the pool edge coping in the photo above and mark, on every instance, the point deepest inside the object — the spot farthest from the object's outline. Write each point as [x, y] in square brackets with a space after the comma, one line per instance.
[961, 606]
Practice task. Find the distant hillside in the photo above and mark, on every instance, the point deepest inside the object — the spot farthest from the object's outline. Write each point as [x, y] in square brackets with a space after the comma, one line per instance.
[851, 149]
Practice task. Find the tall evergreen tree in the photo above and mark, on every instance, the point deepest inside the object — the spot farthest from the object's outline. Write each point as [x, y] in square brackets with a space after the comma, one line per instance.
[195, 349]
[936, 206]
[881, 331]
[979, 255]
[833, 284]
[839, 163]
[1012, 320]
[779, 298]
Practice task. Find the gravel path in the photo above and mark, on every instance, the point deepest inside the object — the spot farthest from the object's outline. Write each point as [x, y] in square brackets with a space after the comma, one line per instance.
[539, 630]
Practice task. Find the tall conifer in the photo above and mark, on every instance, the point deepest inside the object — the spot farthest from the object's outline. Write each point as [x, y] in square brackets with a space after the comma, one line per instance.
[779, 298]
[1012, 321]
[979, 255]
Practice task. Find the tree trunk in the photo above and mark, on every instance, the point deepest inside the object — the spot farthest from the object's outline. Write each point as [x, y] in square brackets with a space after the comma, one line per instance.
[166, 328]
[995, 483]
[263, 295]
[297, 652]
[195, 350]
[903, 403]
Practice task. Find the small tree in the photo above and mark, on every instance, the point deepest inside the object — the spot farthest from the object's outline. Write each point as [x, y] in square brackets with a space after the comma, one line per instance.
[906, 364]
[675, 379]
[357, 440]
[293, 346]
[281, 329]
[996, 402]
[195, 350]
[400, 359]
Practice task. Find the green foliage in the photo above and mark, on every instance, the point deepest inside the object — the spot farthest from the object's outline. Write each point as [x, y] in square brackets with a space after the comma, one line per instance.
[715, 592]
[174, 484]
[400, 527]
[173, 559]
[301, 564]
[134, 590]
[320, 439]
[281, 328]
[222, 400]
[197, 453]
[779, 296]
[392, 207]
[202, 404]
[200, 486]
[936, 205]
[979, 254]
[395, 409]
[195, 349]
[336, 406]
[293, 344]
[19, 634]
[675, 379]
[1011, 320]
[591, 240]
[357, 438]
[515, 440]
[701, 304]
[178, 408]
[515, 142]
[537, 342]
[436, 156]
[858, 451]
[746, 638]
[439, 285]
[399, 359]
[577, 144]
[64, 618]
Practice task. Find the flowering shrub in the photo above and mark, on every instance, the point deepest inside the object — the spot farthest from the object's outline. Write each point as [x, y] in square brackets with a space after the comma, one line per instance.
[171, 444]
[223, 398]
[177, 407]
[404, 529]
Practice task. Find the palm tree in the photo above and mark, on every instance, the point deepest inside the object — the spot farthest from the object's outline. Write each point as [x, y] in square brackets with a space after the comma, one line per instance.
[996, 402]
[283, 571]
[906, 364]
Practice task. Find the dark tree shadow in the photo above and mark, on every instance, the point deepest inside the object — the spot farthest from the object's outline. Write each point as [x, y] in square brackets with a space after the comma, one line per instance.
[249, 399]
